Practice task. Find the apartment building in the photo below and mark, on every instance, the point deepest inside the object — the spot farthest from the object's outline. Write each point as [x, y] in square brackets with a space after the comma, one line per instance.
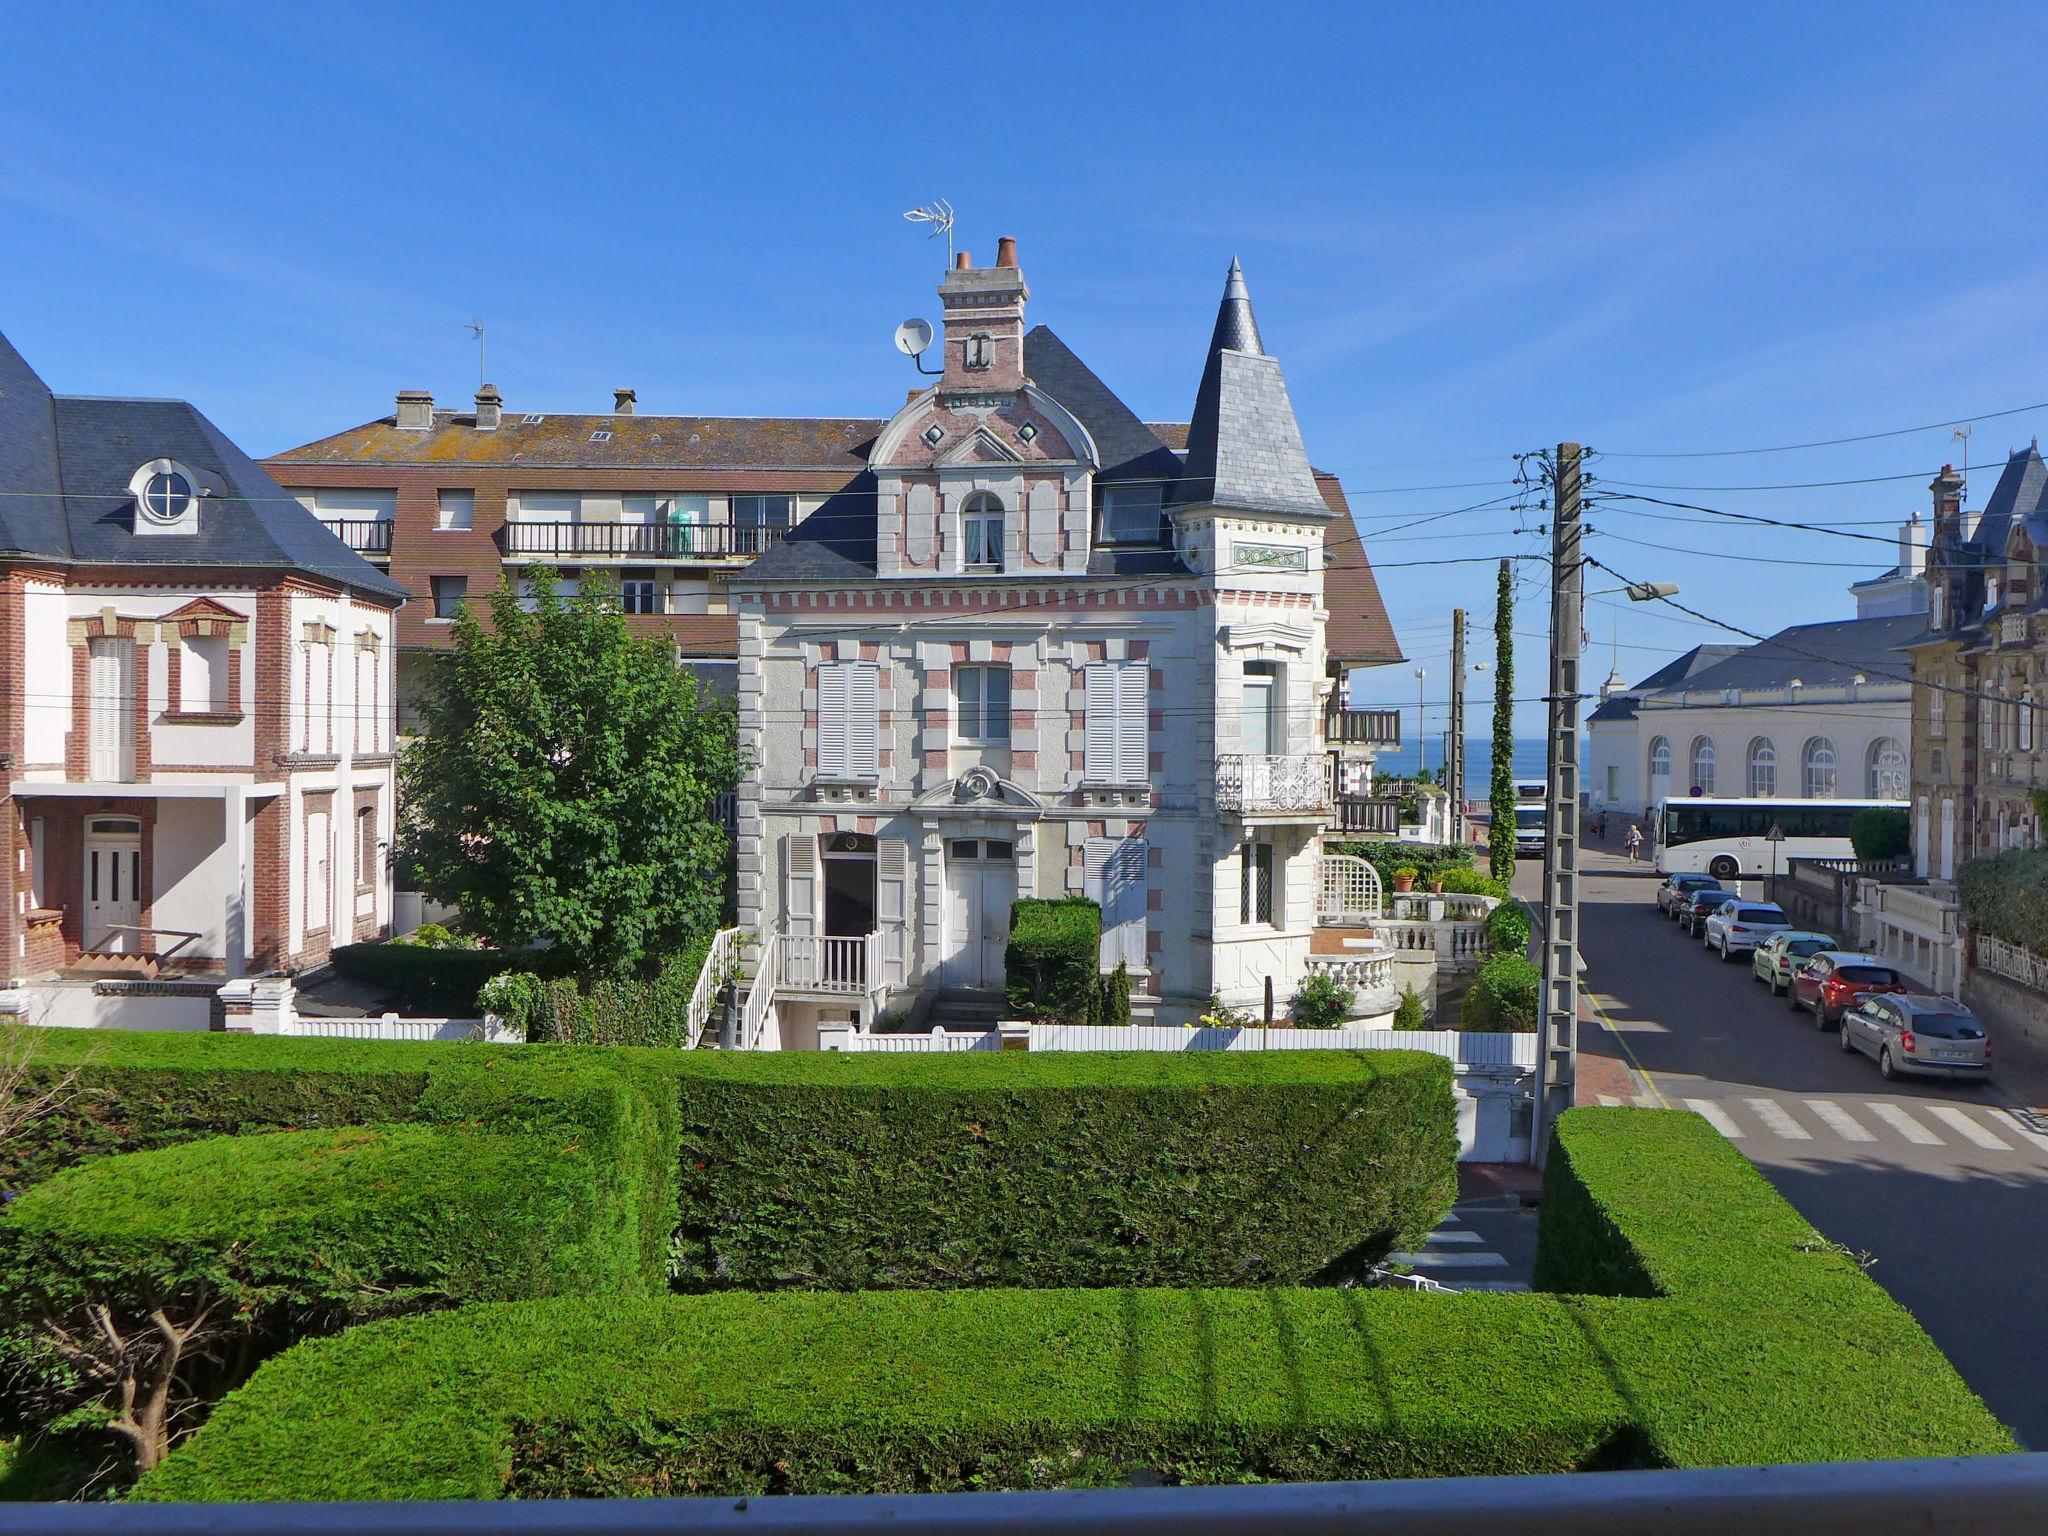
[1041, 648]
[195, 701]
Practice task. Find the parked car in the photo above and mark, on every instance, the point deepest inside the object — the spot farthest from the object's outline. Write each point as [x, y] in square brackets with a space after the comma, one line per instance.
[1773, 961]
[1834, 981]
[1675, 888]
[1693, 910]
[1739, 925]
[1917, 1035]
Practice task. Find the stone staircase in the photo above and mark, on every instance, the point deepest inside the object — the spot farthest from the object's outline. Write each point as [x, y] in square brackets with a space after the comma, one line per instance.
[966, 1010]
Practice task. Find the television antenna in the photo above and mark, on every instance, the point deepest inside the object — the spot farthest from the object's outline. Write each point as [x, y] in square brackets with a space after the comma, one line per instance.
[476, 329]
[1965, 431]
[939, 214]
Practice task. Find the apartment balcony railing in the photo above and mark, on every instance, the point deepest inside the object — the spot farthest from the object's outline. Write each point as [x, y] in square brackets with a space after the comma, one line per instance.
[364, 535]
[1366, 813]
[1265, 783]
[640, 541]
[1362, 727]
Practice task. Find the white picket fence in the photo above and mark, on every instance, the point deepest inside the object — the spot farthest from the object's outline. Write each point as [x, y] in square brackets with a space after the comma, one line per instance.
[1467, 1047]
[391, 1027]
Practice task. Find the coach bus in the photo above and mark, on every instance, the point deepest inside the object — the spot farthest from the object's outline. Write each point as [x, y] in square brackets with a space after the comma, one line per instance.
[1729, 838]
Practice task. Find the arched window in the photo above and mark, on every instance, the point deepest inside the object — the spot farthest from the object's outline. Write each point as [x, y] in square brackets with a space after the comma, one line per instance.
[1703, 765]
[1660, 765]
[1763, 768]
[981, 532]
[1817, 769]
[1885, 769]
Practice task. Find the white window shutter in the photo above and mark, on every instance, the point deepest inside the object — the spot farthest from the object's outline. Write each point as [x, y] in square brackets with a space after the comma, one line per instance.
[1113, 874]
[833, 715]
[892, 904]
[863, 718]
[1099, 756]
[800, 883]
[1130, 723]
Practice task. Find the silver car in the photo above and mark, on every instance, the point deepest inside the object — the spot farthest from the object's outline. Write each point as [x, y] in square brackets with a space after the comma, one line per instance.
[1912, 1034]
[1741, 925]
[1774, 960]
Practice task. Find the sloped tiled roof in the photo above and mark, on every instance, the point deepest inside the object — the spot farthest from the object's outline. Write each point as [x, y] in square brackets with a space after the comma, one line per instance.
[1359, 633]
[1828, 655]
[562, 439]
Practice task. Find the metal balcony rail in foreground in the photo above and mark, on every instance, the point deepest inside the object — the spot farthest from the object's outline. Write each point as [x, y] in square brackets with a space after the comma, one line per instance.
[646, 541]
[364, 535]
[1974, 1496]
[1362, 727]
[1248, 783]
[1365, 813]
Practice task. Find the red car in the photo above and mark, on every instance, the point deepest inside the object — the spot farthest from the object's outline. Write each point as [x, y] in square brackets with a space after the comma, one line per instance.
[1834, 981]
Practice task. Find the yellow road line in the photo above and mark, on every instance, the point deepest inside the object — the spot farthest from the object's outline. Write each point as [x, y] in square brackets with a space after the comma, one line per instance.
[1593, 1001]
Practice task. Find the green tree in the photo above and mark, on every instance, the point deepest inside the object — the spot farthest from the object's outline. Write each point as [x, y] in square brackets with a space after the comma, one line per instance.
[1500, 834]
[562, 790]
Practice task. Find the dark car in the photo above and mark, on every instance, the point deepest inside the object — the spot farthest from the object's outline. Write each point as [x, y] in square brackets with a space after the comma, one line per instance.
[1919, 1036]
[1676, 888]
[1695, 909]
[1835, 981]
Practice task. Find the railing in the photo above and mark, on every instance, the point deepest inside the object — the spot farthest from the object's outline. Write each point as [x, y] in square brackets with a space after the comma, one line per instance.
[1254, 782]
[1362, 727]
[1459, 905]
[1918, 909]
[721, 964]
[1363, 973]
[831, 963]
[391, 1026]
[675, 541]
[364, 535]
[2012, 629]
[1872, 1498]
[759, 1007]
[1362, 813]
[1453, 941]
[1869, 869]
[2011, 962]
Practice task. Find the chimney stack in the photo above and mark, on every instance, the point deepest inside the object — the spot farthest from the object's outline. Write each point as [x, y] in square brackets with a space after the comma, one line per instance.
[490, 407]
[1912, 550]
[415, 410]
[1006, 252]
[1948, 497]
[622, 401]
[984, 325]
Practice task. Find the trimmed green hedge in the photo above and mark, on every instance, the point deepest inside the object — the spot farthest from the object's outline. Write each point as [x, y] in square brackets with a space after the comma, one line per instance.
[1880, 833]
[1053, 958]
[427, 978]
[1506, 993]
[1718, 1331]
[2006, 896]
[1426, 858]
[605, 1010]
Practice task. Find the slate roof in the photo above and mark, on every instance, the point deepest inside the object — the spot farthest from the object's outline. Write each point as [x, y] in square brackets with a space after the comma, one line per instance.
[1358, 632]
[563, 440]
[1622, 706]
[1129, 449]
[68, 461]
[1826, 655]
[2021, 492]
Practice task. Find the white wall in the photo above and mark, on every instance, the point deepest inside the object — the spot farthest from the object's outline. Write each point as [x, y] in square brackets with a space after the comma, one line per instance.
[192, 874]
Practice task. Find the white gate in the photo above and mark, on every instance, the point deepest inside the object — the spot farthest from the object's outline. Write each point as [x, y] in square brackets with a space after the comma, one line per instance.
[1351, 890]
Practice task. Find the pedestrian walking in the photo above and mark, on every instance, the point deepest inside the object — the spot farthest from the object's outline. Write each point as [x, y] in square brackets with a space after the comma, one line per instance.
[1634, 841]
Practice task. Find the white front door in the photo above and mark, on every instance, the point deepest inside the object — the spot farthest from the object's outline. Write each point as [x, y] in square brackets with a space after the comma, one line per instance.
[113, 710]
[113, 882]
[981, 883]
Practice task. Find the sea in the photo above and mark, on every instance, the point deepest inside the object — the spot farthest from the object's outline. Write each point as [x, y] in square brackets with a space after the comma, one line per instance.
[1529, 760]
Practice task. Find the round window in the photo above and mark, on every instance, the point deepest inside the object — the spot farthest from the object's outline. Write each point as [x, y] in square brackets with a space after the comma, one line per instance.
[167, 495]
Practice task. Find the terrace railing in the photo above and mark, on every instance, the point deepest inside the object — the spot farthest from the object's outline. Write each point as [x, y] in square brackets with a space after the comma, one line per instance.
[1251, 783]
[640, 541]
[364, 535]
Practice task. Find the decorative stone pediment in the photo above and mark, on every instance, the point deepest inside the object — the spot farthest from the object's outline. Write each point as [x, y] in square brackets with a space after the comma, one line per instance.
[979, 791]
[1265, 632]
[980, 446]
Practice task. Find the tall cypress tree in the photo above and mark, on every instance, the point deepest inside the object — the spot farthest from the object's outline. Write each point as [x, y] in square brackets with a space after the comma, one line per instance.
[1500, 835]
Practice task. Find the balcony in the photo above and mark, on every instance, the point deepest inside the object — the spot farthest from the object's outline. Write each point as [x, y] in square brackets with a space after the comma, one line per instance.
[364, 535]
[639, 541]
[1264, 784]
[1362, 727]
[1365, 813]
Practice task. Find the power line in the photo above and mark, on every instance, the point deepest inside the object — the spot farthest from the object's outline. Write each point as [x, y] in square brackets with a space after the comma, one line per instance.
[1798, 485]
[1837, 529]
[1831, 442]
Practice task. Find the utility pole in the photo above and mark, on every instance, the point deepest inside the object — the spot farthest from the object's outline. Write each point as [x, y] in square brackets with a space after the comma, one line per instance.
[1454, 757]
[1557, 1055]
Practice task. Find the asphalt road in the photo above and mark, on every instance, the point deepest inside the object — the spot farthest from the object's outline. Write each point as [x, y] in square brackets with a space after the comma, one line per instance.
[1942, 1184]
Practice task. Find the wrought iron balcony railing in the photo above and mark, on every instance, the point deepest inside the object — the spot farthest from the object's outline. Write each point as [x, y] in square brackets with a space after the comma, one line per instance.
[641, 541]
[1365, 813]
[1362, 727]
[1253, 783]
[364, 535]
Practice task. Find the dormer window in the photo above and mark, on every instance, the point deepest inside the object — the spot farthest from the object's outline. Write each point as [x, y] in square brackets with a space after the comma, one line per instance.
[166, 498]
[1132, 514]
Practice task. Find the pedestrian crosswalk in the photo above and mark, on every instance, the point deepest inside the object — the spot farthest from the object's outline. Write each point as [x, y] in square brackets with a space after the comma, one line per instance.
[1875, 1122]
[1457, 1258]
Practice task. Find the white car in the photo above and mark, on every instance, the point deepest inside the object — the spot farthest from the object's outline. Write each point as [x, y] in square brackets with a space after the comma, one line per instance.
[1742, 925]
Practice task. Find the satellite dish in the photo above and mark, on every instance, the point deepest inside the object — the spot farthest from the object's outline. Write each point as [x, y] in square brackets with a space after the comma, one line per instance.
[913, 336]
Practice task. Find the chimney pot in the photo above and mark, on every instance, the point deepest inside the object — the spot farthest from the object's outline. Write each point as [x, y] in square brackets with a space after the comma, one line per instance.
[1006, 252]
[963, 261]
[415, 410]
[490, 406]
[622, 401]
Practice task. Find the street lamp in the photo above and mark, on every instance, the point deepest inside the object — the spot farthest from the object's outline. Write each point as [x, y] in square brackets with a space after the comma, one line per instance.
[1421, 740]
[1641, 591]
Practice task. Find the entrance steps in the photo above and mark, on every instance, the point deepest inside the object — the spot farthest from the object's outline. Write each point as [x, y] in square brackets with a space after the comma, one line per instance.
[966, 1009]
[101, 964]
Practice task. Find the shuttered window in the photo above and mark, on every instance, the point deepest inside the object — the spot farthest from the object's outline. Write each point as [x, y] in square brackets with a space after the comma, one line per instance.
[1114, 731]
[1114, 874]
[849, 712]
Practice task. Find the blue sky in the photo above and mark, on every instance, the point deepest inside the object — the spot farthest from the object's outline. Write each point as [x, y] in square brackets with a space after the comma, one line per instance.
[1469, 231]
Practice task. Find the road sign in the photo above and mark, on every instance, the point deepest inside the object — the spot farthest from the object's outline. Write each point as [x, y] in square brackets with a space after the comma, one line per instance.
[1775, 835]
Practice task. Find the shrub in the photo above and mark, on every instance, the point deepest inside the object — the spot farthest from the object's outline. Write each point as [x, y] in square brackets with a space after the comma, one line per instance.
[1113, 996]
[1322, 1001]
[161, 1278]
[1504, 995]
[433, 936]
[1050, 966]
[1507, 929]
[1461, 881]
[1878, 833]
[1710, 1331]
[428, 979]
[1408, 1012]
[2006, 896]
[1427, 859]
[1406, 872]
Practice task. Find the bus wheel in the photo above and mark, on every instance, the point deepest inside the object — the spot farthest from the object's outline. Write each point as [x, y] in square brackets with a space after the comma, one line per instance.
[1724, 868]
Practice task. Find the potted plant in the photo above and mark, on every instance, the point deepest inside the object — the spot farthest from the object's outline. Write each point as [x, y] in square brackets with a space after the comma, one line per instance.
[1404, 877]
[1436, 884]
